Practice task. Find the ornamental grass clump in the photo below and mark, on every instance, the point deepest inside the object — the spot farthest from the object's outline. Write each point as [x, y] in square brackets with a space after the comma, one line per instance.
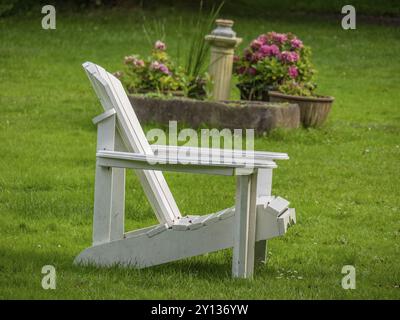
[275, 61]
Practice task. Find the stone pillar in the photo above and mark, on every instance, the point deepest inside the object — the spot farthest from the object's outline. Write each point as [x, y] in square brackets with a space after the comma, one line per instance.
[223, 42]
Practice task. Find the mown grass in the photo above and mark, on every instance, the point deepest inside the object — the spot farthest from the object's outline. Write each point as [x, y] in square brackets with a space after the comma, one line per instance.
[343, 179]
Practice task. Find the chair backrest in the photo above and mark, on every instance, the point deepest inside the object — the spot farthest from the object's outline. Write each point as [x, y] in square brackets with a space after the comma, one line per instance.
[111, 94]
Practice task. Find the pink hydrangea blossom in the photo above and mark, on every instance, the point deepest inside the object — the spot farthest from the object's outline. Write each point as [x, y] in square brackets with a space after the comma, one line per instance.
[133, 60]
[296, 43]
[256, 44]
[293, 72]
[155, 65]
[159, 45]
[279, 37]
[263, 39]
[164, 69]
[138, 63]
[289, 56]
[257, 56]
[270, 50]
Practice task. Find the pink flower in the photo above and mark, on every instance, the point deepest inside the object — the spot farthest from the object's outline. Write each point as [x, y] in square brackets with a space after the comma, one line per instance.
[257, 56]
[164, 69]
[293, 71]
[256, 44]
[159, 45]
[296, 43]
[236, 58]
[138, 63]
[129, 59]
[275, 50]
[289, 56]
[155, 65]
[271, 50]
[279, 37]
[263, 39]
[133, 60]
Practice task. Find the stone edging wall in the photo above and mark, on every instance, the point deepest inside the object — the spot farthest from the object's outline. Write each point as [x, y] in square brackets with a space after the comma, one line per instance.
[261, 116]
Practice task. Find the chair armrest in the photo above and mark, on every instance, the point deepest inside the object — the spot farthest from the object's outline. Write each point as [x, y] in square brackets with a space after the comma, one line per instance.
[257, 155]
[182, 164]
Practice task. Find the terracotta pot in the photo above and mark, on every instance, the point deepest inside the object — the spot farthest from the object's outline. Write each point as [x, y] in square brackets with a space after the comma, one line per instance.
[313, 110]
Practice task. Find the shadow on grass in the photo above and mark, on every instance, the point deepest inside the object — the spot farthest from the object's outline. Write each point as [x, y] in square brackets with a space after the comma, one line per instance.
[211, 268]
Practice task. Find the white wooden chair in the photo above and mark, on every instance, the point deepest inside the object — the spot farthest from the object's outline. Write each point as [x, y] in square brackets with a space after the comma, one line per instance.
[121, 143]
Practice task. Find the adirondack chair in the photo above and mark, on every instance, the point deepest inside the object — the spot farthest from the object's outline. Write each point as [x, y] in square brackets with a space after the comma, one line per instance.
[122, 144]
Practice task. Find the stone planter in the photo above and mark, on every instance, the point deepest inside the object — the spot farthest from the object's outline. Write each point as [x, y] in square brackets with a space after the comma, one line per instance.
[257, 115]
[313, 110]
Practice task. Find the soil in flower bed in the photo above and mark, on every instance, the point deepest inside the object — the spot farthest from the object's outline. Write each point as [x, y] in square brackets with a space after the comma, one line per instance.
[258, 115]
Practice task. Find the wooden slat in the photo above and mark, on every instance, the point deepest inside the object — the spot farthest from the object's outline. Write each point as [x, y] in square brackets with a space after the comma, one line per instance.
[144, 165]
[157, 230]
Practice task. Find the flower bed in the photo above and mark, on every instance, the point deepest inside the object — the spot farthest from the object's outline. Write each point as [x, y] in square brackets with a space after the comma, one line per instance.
[158, 73]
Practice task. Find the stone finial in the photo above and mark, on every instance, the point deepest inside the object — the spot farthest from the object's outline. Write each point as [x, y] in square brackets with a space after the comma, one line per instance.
[223, 41]
[224, 28]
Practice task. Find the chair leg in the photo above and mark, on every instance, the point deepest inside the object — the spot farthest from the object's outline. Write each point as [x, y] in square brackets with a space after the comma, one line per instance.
[102, 205]
[109, 194]
[244, 227]
[264, 186]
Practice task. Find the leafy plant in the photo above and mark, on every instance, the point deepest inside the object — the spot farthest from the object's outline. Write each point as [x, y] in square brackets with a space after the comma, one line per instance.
[159, 73]
[156, 73]
[295, 88]
[276, 61]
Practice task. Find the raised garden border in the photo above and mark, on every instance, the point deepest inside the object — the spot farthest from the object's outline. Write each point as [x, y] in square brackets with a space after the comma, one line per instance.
[258, 115]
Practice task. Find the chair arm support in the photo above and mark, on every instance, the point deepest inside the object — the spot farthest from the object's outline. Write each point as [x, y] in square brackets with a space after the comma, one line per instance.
[105, 115]
[184, 164]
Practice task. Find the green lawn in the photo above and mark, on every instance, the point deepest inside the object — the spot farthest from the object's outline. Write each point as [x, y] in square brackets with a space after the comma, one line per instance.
[343, 179]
